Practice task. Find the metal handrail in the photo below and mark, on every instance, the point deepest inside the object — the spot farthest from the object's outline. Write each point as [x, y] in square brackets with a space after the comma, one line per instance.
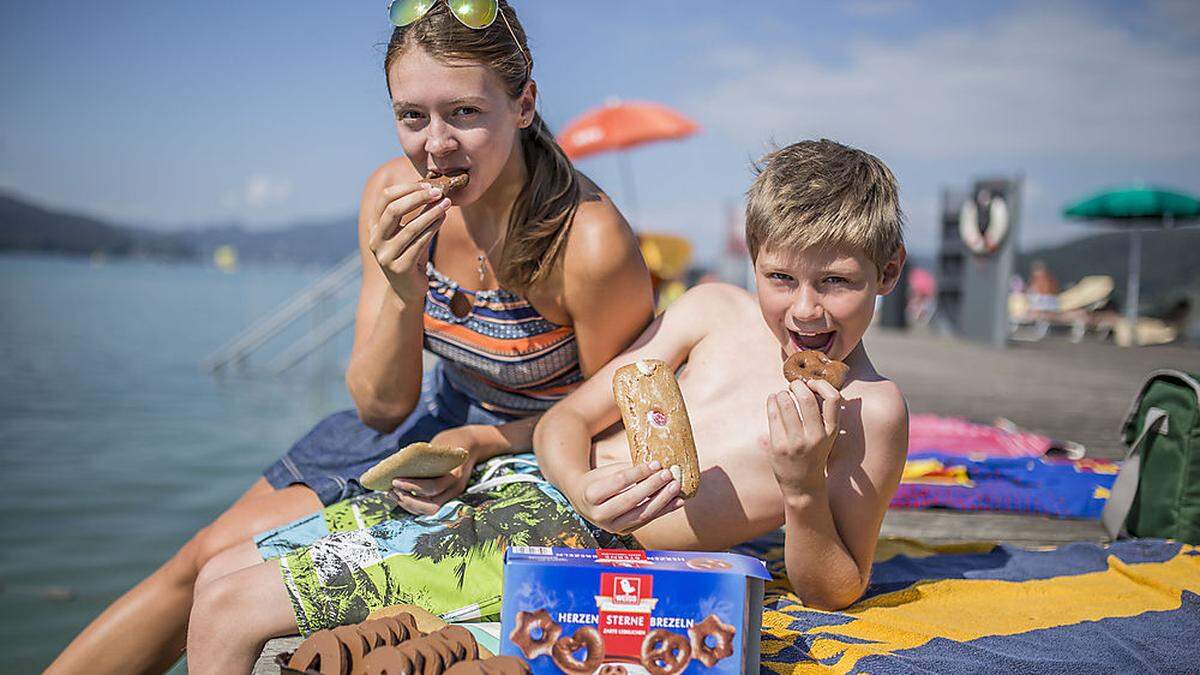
[253, 337]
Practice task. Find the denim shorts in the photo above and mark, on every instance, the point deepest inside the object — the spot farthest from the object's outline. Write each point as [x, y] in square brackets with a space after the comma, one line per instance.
[340, 447]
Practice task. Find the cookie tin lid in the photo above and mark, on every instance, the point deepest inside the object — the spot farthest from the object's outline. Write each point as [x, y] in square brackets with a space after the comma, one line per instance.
[674, 561]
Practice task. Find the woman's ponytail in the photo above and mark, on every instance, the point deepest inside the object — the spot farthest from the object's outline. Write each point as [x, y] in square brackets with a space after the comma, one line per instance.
[541, 217]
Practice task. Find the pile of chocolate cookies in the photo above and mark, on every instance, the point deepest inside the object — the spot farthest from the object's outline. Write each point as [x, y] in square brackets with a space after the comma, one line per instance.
[394, 645]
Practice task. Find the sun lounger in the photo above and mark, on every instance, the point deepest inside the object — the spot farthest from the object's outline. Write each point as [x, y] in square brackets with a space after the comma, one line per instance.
[1076, 308]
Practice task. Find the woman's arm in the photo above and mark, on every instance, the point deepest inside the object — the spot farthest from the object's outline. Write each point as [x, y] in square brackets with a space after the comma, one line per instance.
[384, 374]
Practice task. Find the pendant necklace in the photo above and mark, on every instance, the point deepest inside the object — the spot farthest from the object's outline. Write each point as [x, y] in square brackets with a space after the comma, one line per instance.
[460, 305]
[483, 260]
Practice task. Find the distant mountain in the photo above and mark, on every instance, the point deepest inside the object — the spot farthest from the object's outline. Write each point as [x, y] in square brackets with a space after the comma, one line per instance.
[27, 227]
[318, 242]
[1169, 271]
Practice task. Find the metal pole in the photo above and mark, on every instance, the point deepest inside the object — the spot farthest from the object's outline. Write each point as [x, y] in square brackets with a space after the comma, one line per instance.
[627, 186]
[1131, 289]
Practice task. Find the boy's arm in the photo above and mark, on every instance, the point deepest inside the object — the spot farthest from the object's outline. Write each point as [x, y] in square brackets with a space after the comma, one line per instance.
[609, 496]
[834, 503]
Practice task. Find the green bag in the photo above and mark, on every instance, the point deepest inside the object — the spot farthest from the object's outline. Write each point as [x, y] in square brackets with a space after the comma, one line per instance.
[1157, 492]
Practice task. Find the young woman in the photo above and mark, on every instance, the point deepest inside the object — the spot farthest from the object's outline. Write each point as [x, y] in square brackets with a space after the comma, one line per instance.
[523, 282]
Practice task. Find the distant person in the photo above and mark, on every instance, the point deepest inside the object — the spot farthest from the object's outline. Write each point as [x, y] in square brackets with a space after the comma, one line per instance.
[1042, 290]
[524, 283]
[824, 228]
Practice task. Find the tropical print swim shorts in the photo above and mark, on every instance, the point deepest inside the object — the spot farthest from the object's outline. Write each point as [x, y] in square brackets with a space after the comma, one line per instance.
[358, 555]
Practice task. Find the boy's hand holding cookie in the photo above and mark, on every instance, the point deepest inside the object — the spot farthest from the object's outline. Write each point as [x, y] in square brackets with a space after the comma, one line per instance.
[622, 497]
[803, 422]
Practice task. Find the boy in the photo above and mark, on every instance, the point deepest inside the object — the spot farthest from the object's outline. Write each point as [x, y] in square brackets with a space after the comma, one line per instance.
[823, 226]
[824, 231]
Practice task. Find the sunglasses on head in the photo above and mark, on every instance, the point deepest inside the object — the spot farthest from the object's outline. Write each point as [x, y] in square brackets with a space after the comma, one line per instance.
[477, 14]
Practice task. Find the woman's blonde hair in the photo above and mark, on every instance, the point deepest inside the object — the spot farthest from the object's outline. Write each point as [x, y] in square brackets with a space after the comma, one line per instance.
[822, 194]
[543, 211]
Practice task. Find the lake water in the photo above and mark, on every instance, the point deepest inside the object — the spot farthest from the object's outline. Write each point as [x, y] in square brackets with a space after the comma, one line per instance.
[114, 445]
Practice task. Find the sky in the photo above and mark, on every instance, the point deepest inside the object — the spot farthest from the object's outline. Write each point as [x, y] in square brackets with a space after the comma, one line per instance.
[171, 115]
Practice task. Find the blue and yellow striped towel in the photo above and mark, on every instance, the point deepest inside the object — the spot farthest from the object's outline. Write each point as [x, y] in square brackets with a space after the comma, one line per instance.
[1132, 606]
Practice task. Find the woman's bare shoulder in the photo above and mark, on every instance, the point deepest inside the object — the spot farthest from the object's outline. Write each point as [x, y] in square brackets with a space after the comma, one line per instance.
[600, 241]
[395, 170]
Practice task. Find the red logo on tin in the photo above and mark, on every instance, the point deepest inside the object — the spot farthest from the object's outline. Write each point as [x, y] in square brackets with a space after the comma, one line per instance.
[627, 591]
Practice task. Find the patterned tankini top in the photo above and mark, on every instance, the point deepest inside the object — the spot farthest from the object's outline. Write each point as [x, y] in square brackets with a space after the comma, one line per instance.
[501, 352]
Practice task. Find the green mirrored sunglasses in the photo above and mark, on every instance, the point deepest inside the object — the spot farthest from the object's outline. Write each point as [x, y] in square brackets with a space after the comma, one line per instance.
[477, 14]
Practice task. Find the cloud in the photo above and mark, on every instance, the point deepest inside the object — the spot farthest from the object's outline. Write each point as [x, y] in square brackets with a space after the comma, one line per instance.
[259, 191]
[1045, 81]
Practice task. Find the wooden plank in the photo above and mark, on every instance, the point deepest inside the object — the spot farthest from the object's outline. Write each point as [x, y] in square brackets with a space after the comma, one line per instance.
[939, 526]
[266, 661]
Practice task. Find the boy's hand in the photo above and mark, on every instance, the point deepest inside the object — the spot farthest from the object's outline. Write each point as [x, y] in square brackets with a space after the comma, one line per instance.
[803, 432]
[622, 497]
[424, 496]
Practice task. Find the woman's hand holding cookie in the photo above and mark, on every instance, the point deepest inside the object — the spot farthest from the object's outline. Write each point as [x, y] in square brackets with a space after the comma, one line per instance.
[424, 496]
[622, 497]
[400, 237]
[803, 430]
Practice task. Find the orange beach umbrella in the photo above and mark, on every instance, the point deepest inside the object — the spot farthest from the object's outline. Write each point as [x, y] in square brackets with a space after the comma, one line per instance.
[618, 125]
[623, 124]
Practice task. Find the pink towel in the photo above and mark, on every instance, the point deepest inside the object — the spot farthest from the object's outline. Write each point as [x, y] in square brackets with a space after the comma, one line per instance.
[957, 436]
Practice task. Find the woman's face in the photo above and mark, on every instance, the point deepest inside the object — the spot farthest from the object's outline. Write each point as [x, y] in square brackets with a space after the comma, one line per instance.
[456, 118]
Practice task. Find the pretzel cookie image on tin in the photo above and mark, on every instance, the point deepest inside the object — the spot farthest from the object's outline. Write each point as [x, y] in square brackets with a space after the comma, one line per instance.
[811, 364]
[711, 640]
[665, 653]
[586, 638]
[656, 421]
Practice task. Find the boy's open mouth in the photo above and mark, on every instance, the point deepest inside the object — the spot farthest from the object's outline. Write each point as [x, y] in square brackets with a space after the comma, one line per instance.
[821, 342]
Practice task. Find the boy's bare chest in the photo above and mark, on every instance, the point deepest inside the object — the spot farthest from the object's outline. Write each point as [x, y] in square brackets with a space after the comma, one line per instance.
[725, 387]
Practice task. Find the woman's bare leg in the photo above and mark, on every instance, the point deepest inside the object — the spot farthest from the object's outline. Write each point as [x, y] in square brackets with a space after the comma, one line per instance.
[145, 630]
[233, 559]
[234, 615]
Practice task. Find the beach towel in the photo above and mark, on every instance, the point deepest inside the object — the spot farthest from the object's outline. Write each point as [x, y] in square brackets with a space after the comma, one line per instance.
[1128, 607]
[956, 436]
[1043, 485]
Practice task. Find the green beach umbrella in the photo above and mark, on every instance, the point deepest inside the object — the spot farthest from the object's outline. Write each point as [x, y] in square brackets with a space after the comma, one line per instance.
[1137, 207]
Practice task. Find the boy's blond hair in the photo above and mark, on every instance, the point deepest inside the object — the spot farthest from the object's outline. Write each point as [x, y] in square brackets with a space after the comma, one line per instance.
[826, 195]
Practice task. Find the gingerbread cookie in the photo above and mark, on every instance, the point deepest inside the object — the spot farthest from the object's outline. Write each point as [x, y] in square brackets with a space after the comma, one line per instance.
[387, 661]
[378, 633]
[810, 364]
[321, 652]
[656, 421]
[448, 184]
[497, 665]
[415, 460]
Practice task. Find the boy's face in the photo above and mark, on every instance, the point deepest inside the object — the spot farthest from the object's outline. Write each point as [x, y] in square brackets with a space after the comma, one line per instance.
[820, 298]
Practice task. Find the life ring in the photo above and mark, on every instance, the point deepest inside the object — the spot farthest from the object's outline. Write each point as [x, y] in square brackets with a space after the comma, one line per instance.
[989, 238]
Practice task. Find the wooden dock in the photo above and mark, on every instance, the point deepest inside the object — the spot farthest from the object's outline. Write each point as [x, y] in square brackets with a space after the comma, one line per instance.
[1071, 392]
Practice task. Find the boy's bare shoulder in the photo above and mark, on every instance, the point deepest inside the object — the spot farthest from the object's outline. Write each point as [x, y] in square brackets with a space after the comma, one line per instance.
[715, 301]
[884, 414]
